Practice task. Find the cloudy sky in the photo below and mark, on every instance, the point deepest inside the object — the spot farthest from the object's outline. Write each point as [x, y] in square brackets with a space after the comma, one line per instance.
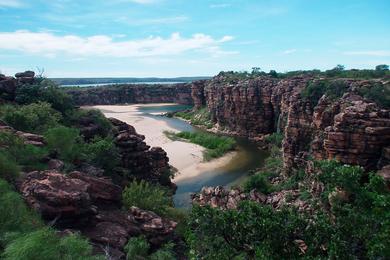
[167, 38]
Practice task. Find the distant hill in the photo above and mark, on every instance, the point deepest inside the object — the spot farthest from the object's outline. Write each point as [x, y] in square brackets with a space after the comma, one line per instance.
[82, 81]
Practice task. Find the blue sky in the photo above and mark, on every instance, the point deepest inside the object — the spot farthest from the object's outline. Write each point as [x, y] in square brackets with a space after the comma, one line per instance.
[167, 38]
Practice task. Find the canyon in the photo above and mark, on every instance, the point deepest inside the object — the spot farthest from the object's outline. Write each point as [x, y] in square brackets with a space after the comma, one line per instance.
[352, 129]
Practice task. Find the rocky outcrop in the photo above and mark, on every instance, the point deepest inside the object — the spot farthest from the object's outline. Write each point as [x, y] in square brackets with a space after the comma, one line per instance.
[351, 129]
[92, 206]
[219, 197]
[28, 138]
[8, 85]
[138, 159]
[132, 93]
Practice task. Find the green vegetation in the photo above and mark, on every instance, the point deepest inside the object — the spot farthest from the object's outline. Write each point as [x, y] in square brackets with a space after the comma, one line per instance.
[24, 236]
[103, 153]
[258, 182]
[26, 156]
[354, 226]
[66, 142]
[46, 244]
[332, 89]
[44, 90]
[380, 71]
[377, 93]
[147, 196]
[34, 117]
[216, 145]
[200, 117]
[138, 248]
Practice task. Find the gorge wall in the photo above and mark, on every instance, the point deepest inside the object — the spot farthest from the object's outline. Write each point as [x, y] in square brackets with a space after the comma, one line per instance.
[132, 93]
[350, 128]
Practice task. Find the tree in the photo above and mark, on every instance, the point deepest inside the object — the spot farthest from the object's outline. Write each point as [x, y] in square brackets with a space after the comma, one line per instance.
[339, 67]
[382, 67]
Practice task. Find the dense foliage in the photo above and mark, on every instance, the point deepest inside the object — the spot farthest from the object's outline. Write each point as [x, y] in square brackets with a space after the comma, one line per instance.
[34, 117]
[200, 117]
[351, 220]
[216, 145]
[138, 248]
[147, 196]
[316, 89]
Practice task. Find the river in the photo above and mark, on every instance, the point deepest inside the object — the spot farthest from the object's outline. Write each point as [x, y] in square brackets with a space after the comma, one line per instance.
[230, 170]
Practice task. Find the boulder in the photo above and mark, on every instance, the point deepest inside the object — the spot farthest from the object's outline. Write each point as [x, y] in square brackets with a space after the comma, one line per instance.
[26, 74]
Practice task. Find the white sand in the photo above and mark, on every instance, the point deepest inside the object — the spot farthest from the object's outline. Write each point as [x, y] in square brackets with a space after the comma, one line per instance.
[186, 157]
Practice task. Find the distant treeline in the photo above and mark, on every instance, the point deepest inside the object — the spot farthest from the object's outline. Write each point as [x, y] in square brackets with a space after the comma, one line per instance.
[380, 71]
[81, 81]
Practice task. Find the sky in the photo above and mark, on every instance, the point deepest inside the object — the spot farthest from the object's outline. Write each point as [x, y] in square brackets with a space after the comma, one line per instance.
[170, 38]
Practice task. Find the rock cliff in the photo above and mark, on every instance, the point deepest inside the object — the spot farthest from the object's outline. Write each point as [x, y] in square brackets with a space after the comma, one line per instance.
[132, 93]
[351, 129]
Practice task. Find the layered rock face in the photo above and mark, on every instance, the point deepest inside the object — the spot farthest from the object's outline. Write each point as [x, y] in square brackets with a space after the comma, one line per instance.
[8, 85]
[132, 93]
[352, 129]
[92, 206]
[219, 197]
[138, 159]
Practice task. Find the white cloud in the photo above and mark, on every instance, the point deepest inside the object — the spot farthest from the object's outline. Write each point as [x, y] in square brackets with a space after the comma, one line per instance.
[290, 51]
[46, 43]
[143, 1]
[159, 21]
[11, 3]
[219, 5]
[378, 53]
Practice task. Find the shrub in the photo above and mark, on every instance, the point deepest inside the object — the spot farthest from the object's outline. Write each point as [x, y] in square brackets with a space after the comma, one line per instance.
[275, 139]
[77, 118]
[216, 145]
[258, 182]
[66, 142]
[147, 196]
[137, 248]
[44, 90]
[15, 216]
[35, 117]
[377, 93]
[315, 90]
[199, 117]
[103, 153]
[165, 253]
[29, 157]
[46, 244]
[9, 170]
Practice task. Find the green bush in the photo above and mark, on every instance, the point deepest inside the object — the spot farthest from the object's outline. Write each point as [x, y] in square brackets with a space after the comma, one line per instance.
[315, 90]
[9, 170]
[200, 117]
[354, 225]
[216, 145]
[147, 196]
[137, 248]
[35, 117]
[46, 244]
[44, 90]
[103, 153]
[67, 142]
[76, 118]
[15, 216]
[377, 93]
[275, 139]
[165, 253]
[27, 156]
[258, 182]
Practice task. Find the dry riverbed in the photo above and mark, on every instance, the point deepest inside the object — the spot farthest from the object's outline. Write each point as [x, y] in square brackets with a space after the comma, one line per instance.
[186, 157]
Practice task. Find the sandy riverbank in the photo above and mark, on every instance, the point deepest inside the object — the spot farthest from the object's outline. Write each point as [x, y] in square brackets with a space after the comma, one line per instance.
[186, 157]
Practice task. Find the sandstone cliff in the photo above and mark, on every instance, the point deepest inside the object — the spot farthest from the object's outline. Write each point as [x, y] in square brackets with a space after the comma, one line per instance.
[132, 93]
[351, 129]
